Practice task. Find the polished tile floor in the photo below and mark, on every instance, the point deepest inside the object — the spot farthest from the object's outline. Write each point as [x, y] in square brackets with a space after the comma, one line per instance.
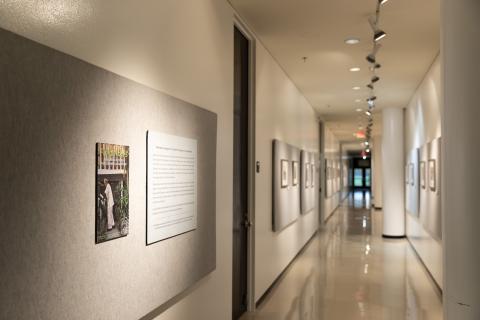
[349, 272]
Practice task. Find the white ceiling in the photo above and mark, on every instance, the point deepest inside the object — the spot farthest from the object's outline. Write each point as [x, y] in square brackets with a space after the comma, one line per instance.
[316, 29]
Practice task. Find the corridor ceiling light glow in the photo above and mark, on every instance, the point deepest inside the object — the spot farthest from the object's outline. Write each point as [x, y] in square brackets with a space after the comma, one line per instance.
[367, 150]
[379, 35]
[368, 113]
[354, 69]
[352, 40]
[356, 88]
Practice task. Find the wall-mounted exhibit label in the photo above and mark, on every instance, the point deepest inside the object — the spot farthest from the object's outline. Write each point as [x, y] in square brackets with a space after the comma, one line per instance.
[171, 186]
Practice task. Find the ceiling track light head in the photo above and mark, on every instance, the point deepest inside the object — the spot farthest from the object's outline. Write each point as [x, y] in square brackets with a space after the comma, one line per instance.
[372, 98]
[375, 79]
[382, 1]
[375, 66]
[370, 85]
[370, 58]
[379, 34]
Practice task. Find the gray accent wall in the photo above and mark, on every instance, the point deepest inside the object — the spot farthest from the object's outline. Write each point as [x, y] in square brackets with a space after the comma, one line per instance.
[286, 201]
[54, 108]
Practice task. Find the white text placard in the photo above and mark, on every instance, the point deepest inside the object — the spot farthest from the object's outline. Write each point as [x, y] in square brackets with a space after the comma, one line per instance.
[171, 186]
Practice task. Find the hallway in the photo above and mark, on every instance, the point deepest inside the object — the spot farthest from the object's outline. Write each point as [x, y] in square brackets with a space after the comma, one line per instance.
[348, 271]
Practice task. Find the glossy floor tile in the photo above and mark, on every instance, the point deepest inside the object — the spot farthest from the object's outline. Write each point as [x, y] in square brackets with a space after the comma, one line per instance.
[350, 272]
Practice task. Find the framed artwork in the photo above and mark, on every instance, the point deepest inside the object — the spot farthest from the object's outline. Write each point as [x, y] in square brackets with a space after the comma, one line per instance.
[307, 175]
[295, 173]
[312, 175]
[432, 181]
[284, 173]
[423, 174]
[111, 192]
[412, 174]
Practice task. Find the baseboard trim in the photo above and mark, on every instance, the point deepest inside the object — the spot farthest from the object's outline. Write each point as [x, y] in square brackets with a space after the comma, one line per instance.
[438, 290]
[275, 283]
[393, 237]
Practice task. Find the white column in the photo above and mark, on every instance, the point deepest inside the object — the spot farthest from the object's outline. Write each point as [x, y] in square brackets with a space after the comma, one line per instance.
[461, 154]
[377, 172]
[393, 185]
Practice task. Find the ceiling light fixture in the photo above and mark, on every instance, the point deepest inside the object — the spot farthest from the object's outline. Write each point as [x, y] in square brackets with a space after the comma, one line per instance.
[359, 110]
[368, 113]
[352, 40]
[356, 88]
[372, 98]
[372, 56]
[354, 69]
[379, 35]
[370, 85]
[382, 1]
[375, 79]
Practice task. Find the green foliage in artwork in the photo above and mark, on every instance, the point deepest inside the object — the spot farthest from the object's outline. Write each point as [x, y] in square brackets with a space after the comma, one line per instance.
[122, 207]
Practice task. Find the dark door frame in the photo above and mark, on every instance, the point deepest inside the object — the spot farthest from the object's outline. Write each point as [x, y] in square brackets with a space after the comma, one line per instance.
[253, 166]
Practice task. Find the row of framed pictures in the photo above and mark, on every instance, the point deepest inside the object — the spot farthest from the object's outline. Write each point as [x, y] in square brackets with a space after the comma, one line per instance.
[425, 174]
[293, 178]
[332, 177]
[422, 191]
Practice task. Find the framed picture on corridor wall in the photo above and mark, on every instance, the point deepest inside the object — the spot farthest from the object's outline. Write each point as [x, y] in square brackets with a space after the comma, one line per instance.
[111, 192]
[432, 175]
[284, 165]
[423, 175]
[295, 173]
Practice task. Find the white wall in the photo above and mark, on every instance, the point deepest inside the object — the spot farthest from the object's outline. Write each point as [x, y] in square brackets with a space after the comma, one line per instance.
[332, 152]
[422, 125]
[283, 114]
[185, 49]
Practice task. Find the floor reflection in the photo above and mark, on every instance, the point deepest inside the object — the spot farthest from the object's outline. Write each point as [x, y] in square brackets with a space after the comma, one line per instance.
[349, 272]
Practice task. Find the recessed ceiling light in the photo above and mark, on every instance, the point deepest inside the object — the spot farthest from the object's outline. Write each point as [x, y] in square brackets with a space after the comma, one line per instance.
[356, 88]
[358, 100]
[359, 110]
[354, 69]
[352, 40]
